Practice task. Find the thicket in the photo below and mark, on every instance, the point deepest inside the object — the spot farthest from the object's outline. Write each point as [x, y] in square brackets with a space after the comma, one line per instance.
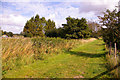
[74, 29]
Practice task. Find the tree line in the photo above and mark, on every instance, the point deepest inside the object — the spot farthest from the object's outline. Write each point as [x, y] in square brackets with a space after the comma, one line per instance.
[9, 34]
[74, 28]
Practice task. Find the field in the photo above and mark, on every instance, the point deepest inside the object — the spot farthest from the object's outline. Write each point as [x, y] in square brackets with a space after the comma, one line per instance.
[53, 58]
[24, 51]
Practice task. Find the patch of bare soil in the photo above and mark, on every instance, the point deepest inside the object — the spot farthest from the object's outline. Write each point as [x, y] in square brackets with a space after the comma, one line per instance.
[79, 76]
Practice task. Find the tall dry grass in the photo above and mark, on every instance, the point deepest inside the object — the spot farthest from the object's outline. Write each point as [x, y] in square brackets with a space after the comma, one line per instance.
[112, 62]
[16, 52]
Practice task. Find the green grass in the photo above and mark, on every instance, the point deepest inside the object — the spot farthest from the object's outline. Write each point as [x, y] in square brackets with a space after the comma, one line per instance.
[85, 61]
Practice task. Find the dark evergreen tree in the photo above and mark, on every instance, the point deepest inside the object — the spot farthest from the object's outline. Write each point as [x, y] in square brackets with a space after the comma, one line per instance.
[50, 29]
[38, 27]
[76, 28]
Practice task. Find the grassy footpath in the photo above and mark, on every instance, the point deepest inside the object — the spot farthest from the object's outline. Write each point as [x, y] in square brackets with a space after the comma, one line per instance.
[85, 61]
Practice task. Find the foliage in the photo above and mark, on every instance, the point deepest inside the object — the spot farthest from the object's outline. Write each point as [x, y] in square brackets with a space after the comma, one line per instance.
[112, 31]
[9, 34]
[37, 26]
[33, 27]
[49, 25]
[76, 28]
[51, 33]
[95, 29]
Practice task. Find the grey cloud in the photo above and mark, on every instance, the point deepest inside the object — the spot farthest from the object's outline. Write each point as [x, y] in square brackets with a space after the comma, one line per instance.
[88, 7]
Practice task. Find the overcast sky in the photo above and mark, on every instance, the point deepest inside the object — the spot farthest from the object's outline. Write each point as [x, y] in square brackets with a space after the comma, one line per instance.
[15, 13]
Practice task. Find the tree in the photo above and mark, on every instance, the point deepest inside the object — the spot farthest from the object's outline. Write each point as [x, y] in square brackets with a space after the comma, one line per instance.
[95, 29]
[112, 31]
[33, 27]
[37, 26]
[9, 34]
[50, 29]
[76, 28]
[61, 32]
[52, 33]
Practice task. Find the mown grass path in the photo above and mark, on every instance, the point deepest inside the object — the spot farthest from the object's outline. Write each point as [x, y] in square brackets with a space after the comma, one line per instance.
[85, 61]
